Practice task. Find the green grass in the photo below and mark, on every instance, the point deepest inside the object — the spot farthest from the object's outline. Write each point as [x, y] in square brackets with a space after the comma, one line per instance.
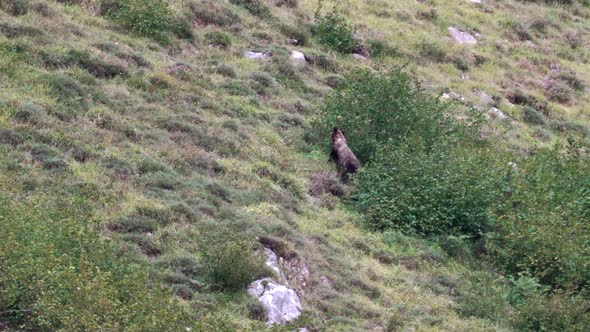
[122, 148]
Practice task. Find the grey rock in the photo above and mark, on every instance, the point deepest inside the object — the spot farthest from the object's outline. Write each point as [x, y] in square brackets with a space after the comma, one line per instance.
[485, 99]
[452, 95]
[272, 261]
[256, 55]
[462, 37]
[494, 113]
[298, 58]
[281, 304]
[359, 57]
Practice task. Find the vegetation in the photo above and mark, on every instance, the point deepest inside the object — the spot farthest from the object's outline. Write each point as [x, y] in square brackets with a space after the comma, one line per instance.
[145, 163]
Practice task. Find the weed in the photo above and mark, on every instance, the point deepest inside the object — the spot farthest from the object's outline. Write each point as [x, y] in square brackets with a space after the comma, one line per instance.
[218, 38]
[255, 7]
[533, 116]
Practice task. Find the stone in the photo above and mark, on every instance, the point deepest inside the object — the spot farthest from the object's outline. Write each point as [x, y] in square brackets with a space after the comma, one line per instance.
[359, 57]
[256, 55]
[452, 95]
[494, 113]
[462, 37]
[298, 58]
[281, 304]
[485, 99]
[475, 1]
[272, 261]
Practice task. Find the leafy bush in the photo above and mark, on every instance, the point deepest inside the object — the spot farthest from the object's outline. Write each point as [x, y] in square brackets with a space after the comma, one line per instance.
[376, 109]
[57, 274]
[218, 38]
[255, 7]
[442, 189]
[230, 259]
[523, 289]
[334, 32]
[148, 18]
[539, 230]
[533, 116]
[559, 312]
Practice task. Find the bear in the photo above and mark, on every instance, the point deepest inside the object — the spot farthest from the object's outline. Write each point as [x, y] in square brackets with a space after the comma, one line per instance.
[342, 155]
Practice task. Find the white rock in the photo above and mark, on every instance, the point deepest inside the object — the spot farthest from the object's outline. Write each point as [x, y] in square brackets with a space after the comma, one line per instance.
[272, 261]
[281, 304]
[494, 113]
[462, 37]
[359, 57]
[485, 99]
[475, 1]
[452, 95]
[298, 58]
[256, 55]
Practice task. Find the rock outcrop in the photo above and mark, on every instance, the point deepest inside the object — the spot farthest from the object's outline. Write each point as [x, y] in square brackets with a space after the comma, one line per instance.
[462, 37]
[281, 303]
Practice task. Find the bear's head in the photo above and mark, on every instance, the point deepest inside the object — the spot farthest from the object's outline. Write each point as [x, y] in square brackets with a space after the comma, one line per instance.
[337, 136]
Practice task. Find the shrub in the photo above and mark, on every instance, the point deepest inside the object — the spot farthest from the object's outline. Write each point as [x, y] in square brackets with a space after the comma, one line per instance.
[334, 32]
[58, 274]
[226, 70]
[523, 289]
[559, 91]
[441, 189]
[533, 116]
[255, 7]
[29, 113]
[538, 229]
[432, 51]
[15, 7]
[69, 92]
[379, 48]
[212, 12]
[484, 295]
[299, 34]
[559, 312]
[376, 109]
[230, 259]
[151, 18]
[218, 38]
[47, 156]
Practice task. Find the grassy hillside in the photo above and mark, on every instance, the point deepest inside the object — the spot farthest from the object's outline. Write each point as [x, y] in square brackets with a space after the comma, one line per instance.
[144, 160]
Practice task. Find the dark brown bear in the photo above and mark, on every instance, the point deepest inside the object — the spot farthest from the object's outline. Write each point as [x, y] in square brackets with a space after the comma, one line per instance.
[342, 155]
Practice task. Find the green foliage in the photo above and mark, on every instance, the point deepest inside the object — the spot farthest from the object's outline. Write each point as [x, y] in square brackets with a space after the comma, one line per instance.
[484, 295]
[148, 18]
[446, 188]
[539, 232]
[533, 116]
[376, 109]
[56, 273]
[558, 312]
[255, 7]
[230, 259]
[334, 32]
[523, 289]
[218, 38]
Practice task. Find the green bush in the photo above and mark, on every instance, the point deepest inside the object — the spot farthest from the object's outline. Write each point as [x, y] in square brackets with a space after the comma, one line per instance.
[334, 32]
[559, 312]
[539, 224]
[148, 18]
[533, 116]
[376, 109]
[255, 7]
[218, 38]
[443, 189]
[230, 259]
[57, 274]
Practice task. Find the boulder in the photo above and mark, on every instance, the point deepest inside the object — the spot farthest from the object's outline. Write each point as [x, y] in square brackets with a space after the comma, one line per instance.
[359, 57]
[256, 55]
[272, 261]
[281, 304]
[462, 37]
[452, 95]
[485, 99]
[494, 113]
[298, 58]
